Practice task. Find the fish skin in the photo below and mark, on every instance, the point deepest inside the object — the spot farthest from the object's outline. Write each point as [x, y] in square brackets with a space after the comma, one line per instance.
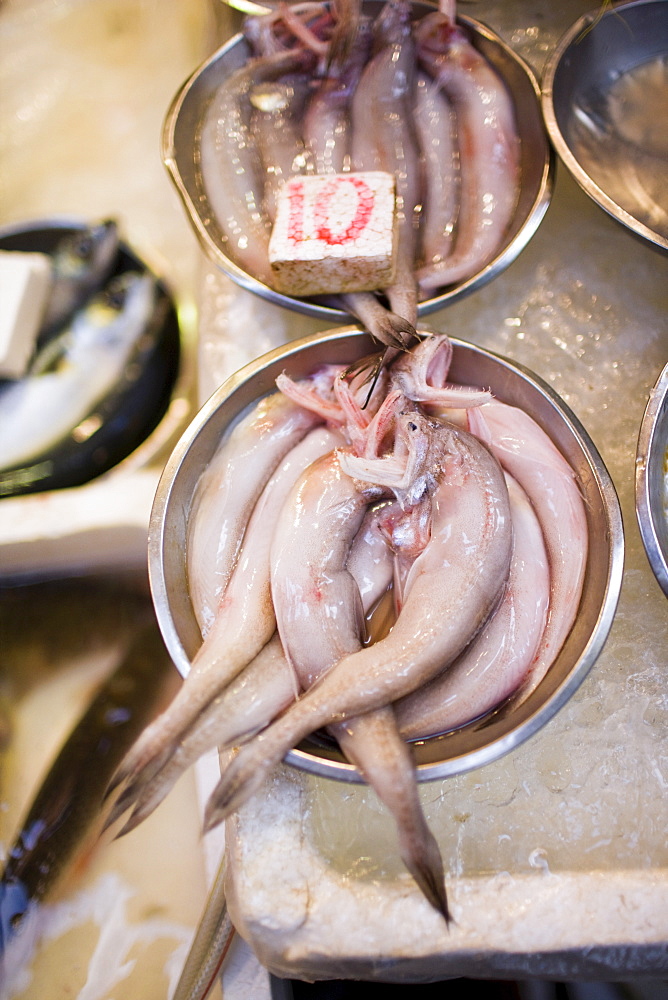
[81, 263]
[259, 693]
[489, 150]
[496, 662]
[441, 613]
[228, 490]
[243, 625]
[67, 809]
[526, 451]
[384, 138]
[74, 371]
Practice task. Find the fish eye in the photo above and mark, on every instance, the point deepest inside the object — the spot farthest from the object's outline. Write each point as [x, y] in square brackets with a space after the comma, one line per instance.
[83, 247]
[116, 296]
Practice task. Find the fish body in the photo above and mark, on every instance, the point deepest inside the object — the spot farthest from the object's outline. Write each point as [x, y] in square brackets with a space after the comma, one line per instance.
[528, 454]
[489, 151]
[436, 128]
[320, 618]
[231, 165]
[68, 807]
[496, 662]
[278, 108]
[450, 591]
[75, 371]
[243, 625]
[384, 138]
[327, 126]
[228, 490]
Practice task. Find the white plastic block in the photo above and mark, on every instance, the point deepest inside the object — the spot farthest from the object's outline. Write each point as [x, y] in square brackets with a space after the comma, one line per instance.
[334, 233]
[25, 282]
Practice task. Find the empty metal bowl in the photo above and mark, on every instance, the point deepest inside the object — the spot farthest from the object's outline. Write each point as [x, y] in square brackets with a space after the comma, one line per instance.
[180, 152]
[605, 100]
[479, 742]
[652, 480]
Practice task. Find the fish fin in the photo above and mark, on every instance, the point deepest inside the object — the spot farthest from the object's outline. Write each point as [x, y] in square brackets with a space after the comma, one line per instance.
[431, 882]
[244, 775]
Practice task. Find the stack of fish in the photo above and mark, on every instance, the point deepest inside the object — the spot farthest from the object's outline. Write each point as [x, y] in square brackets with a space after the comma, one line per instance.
[330, 92]
[322, 499]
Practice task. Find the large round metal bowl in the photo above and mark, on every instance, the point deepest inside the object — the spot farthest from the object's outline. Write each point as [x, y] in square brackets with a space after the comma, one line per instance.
[486, 739]
[604, 98]
[652, 480]
[180, 153]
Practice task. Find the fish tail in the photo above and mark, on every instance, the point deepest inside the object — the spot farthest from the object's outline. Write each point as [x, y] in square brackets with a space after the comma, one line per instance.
[248, 770]
[422, 858]
[373, 743]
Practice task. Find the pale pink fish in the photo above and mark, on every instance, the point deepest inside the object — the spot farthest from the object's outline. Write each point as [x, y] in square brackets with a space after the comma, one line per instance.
[260, 691]
[244, 623]
[320, 619]
[384, 138]
[450, 591]
[436, 130]
[249, 702]
[488, 146]
[232, 482]
[497, 661]
[329, 130]
[422, 375]
[230, 165]
[527, 453]
[326, 125]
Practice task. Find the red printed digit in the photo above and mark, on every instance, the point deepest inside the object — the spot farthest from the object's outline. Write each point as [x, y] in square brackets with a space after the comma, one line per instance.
[365, 203]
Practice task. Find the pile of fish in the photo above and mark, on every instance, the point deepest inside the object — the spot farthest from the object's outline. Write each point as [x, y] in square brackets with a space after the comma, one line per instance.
[330, 91]
[102, 370]
[325, 501]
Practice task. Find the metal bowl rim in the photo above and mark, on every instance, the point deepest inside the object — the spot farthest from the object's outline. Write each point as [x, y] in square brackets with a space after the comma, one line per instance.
[537, 715]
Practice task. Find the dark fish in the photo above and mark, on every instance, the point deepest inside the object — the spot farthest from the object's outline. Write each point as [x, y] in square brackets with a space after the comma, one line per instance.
[81, 262]
[67, 812]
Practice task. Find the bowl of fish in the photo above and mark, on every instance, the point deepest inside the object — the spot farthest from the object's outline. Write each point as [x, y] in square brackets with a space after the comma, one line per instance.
[313, 102]
[605, 93]
[331, 537]
[95, 366]
[652, 480]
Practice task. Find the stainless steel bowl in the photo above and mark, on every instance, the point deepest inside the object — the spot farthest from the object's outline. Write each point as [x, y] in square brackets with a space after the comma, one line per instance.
[180, 155]
[477, 743]
[652, 480]
[604, 98]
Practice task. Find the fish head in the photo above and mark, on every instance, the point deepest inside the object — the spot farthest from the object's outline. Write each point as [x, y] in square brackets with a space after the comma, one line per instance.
[91, 250]
[119, 311]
